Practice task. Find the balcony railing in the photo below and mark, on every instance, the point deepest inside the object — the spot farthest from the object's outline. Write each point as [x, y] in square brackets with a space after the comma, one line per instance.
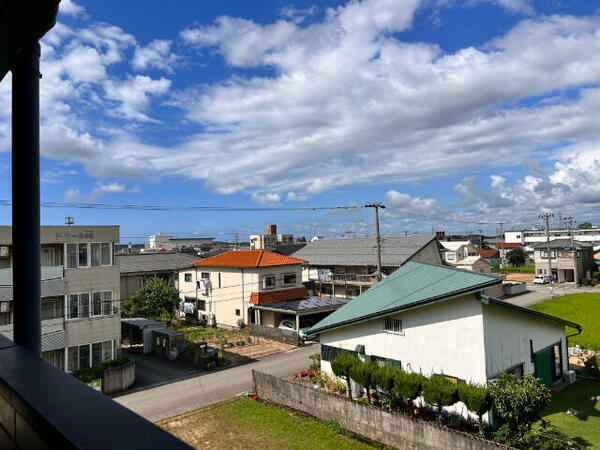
[48, 273]
[353, 278]
[43, 407]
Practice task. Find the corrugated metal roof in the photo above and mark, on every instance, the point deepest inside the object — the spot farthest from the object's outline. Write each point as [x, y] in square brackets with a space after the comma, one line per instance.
[53, 341]
[140, 322]
[154, 262]
[168, 331]
[50, 288]
[395, 251]
[412, 285]
[307, 304]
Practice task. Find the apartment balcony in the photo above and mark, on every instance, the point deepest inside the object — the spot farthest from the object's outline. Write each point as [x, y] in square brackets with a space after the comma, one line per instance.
[352, 279]
[48, 273]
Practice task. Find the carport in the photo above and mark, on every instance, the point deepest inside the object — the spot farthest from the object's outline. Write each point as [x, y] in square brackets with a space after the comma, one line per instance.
[303, 312]
[139, 331]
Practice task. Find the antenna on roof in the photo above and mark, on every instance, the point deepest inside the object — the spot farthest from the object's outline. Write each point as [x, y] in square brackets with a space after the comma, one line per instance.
[69, 221]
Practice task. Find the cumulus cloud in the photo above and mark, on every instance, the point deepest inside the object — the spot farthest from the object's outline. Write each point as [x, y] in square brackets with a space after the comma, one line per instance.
[156, 55]
[399, 201]
[74, 194]
[70, 8]
[134, 94]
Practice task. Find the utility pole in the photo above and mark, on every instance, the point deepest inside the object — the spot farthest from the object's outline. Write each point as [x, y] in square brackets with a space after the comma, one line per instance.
[376, 207]
[570, 220]
[503, 251]
[480, 239]
[546, 216]
[235, 235]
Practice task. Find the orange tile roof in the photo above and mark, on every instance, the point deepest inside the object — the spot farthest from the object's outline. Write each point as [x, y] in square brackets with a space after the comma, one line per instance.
[248, 258]
[260, 298]
[487, 253]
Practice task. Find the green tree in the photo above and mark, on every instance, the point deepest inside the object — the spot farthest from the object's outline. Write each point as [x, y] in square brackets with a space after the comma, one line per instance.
[341, 367]
[584, 226]
[438, 391]
[517, 256]
[156, 299]
[383, 378]
[518, 404]
[408, 386]
[362, 373]
[476, 398]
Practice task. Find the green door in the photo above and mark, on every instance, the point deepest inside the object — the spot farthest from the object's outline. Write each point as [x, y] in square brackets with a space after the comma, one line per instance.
[543, 366]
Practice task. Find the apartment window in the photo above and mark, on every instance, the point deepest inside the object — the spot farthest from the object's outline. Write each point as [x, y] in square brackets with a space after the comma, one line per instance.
[106, 351]
[105, 253]
[202, 305]
[237, 312]
[84, 356]
[289, 278]
[84, 305]
[95, 254]
[449, 256]
[50, 309]
[83, 255]
[188, 277]
[97, 303]
[72, 359]
[96, 354]
[393, 325]
[205, 275]
[71, 256]
[268, 281]
[73, 306]
[107, 303]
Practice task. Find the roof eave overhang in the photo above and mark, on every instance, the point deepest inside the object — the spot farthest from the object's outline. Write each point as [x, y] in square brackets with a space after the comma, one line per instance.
[429, 301]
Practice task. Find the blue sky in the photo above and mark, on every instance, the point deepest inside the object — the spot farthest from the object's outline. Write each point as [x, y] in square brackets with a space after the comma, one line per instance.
[452, 113]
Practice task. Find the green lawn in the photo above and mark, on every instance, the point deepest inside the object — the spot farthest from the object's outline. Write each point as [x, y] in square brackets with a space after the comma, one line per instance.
[583, 309]
[243, 424]
[517, 269]
[576, 396]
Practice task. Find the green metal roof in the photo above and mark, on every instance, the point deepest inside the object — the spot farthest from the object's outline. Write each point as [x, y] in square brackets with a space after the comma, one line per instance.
[411, 286]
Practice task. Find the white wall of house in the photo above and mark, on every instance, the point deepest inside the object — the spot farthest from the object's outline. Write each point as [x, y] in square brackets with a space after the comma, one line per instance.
[507, 336]
[444, 338]
[229, 298]
[479, 266]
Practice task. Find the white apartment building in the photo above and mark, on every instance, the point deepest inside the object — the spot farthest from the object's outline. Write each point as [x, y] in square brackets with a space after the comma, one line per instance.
[534, 236]
[455, 251]
[81, 324]
[168, 242]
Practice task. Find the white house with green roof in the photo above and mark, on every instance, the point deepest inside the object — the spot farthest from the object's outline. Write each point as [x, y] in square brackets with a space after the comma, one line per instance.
[438, 320]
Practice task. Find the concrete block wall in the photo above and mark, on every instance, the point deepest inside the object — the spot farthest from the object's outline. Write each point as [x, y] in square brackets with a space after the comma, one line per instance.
[388, 428]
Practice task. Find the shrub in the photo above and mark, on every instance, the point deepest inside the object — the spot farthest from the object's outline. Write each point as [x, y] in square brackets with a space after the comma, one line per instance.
[518, 404]
[362, 373]
[440, 392]
[476, 398]
[592, 365]
[341, 367]
[408, 385]
[240, 323]
[383, 378]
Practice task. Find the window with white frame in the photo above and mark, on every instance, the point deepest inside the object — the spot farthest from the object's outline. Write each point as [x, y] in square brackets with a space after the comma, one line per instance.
[289, 278]
[105, 251]
[94, 254]
[107, 354]
[72, 359]
[84, 305]
[392, 325]
[269, 282]
[84, 356]
[71, 256]
[83, 255]
[79, 305]
[187, 277]
[97, 303]
[96, 354]
[107, 303]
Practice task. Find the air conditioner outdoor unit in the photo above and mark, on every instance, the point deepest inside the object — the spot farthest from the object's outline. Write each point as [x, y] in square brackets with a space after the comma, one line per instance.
[571, 377]
[5, 307]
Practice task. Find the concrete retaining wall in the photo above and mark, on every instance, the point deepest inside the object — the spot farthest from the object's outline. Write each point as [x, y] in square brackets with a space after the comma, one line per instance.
[286, 336]
[397, 430]
[118, 379]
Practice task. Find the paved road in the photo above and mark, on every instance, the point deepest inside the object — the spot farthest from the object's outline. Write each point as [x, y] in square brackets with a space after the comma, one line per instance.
[540, 293]
[212, 387]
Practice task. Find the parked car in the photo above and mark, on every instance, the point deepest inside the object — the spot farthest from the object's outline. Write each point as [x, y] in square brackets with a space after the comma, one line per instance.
[541, 279]
[290, 325]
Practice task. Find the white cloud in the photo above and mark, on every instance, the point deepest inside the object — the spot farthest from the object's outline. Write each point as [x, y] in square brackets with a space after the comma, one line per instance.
[401, 202]
[133, 95]
[101, 189]
[269, 197]
[520, 6]
[156, 55]
[294, 197]
[70, 8]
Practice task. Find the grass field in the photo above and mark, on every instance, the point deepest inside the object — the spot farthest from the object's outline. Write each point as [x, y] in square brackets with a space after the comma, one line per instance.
[243, 423]
[577, 396]
[517, 269]
[583, 309]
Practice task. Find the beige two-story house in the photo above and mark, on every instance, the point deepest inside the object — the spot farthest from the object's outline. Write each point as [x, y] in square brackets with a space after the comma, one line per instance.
[565, 266]
[80, 294]
[227, 286]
